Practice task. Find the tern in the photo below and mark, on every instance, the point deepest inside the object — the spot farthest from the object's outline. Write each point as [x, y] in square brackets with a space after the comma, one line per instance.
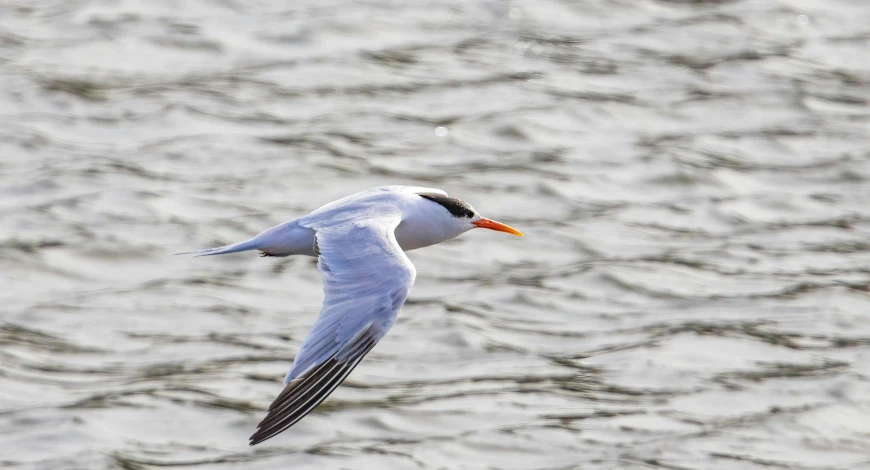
[360, 242]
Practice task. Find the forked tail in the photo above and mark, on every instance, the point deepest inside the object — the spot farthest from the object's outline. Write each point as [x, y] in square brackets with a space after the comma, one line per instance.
[289, 238]
[252, 244]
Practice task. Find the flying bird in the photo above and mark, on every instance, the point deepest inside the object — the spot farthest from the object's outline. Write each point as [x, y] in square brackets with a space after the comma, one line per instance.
[360, 242]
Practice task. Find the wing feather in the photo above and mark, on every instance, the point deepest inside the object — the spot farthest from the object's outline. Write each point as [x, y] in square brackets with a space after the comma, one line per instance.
[366, 279]
[300, 396]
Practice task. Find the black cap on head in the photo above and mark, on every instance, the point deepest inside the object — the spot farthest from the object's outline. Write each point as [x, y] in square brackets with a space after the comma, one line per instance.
[455, 206]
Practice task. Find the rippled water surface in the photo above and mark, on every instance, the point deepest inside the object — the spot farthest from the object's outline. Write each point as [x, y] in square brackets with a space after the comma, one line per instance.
[692, 178]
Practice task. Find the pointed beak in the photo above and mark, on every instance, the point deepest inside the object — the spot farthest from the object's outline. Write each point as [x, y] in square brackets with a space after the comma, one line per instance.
[497, 226]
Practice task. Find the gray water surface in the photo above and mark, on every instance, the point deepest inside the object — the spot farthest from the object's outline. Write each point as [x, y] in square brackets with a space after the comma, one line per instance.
[692, 178]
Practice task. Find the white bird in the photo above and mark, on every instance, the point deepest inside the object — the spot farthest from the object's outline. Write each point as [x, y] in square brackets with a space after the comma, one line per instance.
[360, 242]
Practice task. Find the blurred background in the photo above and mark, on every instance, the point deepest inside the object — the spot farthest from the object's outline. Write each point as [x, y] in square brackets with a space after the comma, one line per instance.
[691, 176]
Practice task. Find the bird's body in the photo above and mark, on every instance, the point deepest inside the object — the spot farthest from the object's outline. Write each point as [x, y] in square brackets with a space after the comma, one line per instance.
[360, 241]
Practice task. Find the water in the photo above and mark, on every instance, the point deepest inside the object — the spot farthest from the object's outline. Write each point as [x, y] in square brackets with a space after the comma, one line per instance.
[692, 291]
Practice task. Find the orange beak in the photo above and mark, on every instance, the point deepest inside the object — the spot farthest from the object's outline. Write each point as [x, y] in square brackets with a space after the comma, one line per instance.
[497, 226]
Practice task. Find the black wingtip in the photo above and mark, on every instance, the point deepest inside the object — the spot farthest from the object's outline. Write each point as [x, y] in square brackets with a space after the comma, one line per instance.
[256, 438]
[304, 393]
[262, 435]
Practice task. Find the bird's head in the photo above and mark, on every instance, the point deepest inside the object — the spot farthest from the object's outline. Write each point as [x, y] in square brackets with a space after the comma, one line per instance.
[463, 217]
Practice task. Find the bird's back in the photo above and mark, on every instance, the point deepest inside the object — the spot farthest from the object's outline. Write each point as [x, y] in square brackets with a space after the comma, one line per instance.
[364, 204]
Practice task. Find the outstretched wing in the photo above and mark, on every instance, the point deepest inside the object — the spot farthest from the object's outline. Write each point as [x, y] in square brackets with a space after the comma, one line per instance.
[366, 279]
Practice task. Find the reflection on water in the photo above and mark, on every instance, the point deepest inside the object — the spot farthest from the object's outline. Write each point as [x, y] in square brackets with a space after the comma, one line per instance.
[691, 293]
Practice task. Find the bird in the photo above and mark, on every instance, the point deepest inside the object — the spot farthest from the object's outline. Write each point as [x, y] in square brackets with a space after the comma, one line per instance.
[360, 242]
